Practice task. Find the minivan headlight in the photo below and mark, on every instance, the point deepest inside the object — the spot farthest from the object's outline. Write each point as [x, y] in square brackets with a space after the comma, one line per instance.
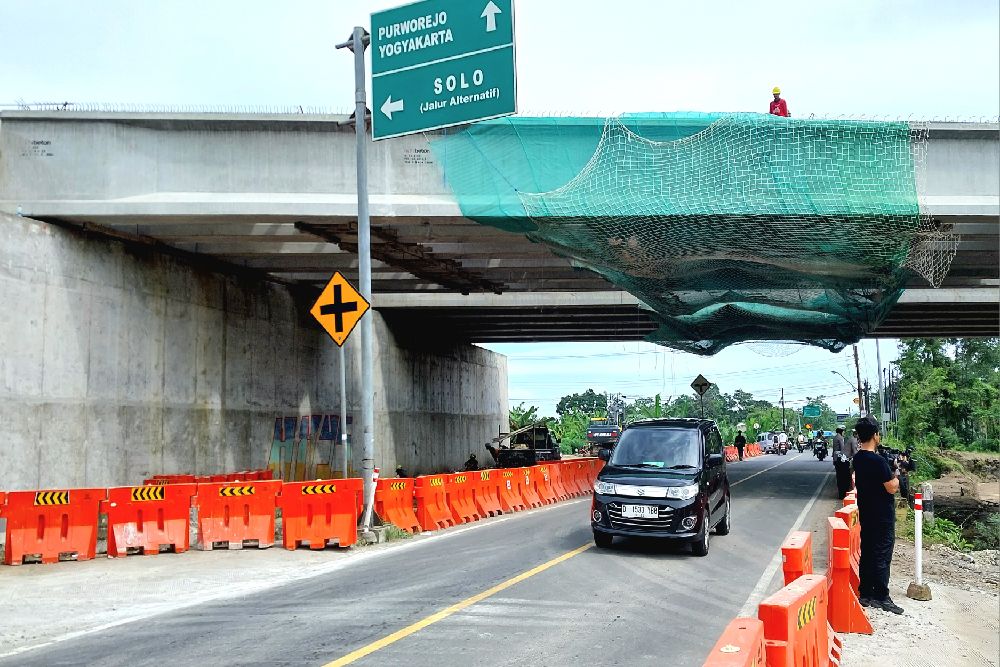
[604, 488]
[682, 492]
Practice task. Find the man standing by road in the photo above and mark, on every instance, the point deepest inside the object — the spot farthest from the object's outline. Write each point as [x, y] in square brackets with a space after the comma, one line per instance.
[876, 485]
[842, 462]
[740, 443]
[778, 105]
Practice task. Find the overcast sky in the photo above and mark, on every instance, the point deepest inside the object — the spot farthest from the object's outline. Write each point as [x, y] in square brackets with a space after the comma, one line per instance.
[922, 59]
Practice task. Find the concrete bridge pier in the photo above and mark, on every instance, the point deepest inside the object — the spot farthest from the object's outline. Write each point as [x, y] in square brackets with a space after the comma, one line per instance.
[119, 361]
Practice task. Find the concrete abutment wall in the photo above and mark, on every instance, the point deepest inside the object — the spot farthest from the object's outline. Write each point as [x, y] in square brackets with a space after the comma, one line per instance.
[118, 362]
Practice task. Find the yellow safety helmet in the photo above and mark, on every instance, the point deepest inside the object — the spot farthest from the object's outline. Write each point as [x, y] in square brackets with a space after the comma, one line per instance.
[776, 91]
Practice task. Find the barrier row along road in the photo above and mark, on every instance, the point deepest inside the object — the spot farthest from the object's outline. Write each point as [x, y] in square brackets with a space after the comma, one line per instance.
[798, 625]
[238, 509]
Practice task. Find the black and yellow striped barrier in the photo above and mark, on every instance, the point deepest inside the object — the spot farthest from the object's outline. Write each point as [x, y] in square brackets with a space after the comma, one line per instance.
[143, 493]
[52, 498]
[314, 489]
[233, 491]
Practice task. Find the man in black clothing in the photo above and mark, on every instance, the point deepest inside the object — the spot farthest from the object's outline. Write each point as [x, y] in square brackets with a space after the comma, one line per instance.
[740, 443]
[842, 463]
[876, 485]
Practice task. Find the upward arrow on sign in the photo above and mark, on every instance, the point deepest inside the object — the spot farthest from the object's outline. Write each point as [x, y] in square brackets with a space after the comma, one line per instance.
[490, 14]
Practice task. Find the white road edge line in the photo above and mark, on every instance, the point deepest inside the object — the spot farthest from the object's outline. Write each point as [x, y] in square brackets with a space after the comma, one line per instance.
[757, 594]
[258, 587]
[761, 472]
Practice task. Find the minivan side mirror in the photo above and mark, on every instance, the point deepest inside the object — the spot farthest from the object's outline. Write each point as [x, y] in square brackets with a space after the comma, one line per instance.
[714, 460]
[604, 454]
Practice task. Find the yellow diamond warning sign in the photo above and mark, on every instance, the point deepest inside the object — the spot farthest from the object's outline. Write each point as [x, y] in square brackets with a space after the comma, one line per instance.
[339, 308]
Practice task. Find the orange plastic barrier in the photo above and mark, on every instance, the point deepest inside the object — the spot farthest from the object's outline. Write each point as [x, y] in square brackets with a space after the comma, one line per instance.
[542, 478]
[575, 482]
[51, 524]
[459, 489]
[741, 645]
[795, 629]
[849, 515]
[394, 503]
[319, 513]
[561, 474]
[846, 613]
[237, 513]
[432, 503]
[731, 453]
[147, 518]
[526, 484]
[796, 556]
[487, 493]
[510, 491]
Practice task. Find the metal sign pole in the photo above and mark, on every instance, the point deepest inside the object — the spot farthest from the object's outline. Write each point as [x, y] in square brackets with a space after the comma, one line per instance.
[343, 409]
[359, 41]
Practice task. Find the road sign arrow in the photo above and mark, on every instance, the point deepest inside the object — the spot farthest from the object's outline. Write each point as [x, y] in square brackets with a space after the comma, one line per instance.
[701, 385]
[389, 107]
[490, 14]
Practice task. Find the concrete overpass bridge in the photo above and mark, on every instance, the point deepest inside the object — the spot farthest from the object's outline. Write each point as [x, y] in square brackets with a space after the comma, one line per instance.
[274, 195]
[156, 271]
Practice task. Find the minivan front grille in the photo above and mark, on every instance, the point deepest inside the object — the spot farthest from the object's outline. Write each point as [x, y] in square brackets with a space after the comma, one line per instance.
[662, 523]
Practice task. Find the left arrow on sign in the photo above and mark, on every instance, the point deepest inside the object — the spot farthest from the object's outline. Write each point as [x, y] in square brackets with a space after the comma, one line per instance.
[390, 106]
[490, 14]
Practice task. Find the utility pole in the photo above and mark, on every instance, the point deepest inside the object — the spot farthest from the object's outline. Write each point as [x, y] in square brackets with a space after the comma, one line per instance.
[784, 426]
[358, 42]
[868, 404]
[857, 369]
[881, 390]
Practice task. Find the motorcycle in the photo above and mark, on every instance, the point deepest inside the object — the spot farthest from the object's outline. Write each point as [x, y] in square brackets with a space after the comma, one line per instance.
[782, 448]
[820, 450]
[799, 447]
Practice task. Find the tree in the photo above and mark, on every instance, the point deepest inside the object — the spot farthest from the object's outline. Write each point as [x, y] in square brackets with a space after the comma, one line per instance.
[645, 408]
[589, 402]
[520, 416]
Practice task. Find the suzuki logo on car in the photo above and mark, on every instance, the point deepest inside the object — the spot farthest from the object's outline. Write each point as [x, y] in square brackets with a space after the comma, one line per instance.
[641, 491]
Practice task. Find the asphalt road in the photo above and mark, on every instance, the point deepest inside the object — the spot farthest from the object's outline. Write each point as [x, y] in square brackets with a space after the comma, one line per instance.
[639, 603]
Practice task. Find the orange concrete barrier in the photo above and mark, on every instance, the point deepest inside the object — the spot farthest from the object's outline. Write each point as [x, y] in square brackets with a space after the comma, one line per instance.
[526, 483]
[846, 613]
[796, 556]
[51, 525]
[486, 493]
[319, 513]
[233, 515]
[432, 503]
[510, 491]
[394, 503]
[145, 519]
[562, 479]
[741, 645]
[459, 490]
[795, 628]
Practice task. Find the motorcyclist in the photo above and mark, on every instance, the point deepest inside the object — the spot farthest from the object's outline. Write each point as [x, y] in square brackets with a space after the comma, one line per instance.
[801, 442]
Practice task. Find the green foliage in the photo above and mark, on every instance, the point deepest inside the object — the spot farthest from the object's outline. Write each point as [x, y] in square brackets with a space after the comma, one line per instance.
[987, 533]
[521, 416]
[570, 430]
[589, 402]
[395, 533]
[943, 531]
[949, 393]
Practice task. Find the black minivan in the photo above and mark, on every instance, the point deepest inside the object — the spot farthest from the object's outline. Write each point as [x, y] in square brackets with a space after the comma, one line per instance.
[665, 479]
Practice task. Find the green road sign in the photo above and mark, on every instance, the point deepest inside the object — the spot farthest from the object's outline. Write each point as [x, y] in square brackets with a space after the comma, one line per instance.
[441, 62]
[812, 411]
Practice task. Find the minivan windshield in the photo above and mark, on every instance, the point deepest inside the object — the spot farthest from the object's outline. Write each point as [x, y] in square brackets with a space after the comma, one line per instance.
[666, 448]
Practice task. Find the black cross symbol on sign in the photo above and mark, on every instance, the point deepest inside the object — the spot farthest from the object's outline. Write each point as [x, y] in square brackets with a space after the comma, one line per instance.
[338, 308]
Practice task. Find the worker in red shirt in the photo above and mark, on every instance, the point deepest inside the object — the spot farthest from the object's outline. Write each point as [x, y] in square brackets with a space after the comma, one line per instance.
[778, 106]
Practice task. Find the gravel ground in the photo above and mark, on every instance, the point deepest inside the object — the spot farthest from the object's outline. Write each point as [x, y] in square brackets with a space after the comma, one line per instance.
[959, 627]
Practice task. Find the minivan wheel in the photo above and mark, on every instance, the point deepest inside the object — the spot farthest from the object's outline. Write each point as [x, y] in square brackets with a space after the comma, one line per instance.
[723, 527]
[700, 546]
[603, 540]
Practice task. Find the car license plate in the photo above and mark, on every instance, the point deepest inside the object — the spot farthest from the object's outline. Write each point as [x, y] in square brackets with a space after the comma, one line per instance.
[640, 512]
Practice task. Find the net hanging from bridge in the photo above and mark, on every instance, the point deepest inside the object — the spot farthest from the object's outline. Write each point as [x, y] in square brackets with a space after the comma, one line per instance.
[728, 228]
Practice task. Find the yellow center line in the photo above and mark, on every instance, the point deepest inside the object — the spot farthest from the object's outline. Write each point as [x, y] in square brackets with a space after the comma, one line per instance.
[445, 613]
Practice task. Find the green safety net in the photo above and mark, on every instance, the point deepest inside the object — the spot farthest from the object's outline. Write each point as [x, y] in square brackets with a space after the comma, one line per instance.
[727, 227]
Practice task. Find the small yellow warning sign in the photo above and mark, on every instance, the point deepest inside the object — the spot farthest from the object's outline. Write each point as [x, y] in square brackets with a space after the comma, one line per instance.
[339, 308]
